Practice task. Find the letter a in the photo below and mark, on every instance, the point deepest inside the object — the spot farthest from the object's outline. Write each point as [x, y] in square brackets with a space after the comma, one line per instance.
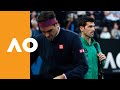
[110, 60]
[14, 43]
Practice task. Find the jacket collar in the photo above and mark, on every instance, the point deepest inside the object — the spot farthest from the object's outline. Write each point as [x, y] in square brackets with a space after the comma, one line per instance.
[86, 43]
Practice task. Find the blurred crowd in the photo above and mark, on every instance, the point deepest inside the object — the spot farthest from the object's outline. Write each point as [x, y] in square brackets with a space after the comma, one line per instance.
[107, 23]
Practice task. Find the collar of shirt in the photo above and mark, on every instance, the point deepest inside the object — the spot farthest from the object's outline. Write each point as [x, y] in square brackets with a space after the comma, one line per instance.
[85, 42]
[56, 35]
[58, 31]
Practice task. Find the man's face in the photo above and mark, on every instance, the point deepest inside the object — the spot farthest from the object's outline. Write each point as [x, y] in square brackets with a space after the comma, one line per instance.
[49, 32]
[89, 29]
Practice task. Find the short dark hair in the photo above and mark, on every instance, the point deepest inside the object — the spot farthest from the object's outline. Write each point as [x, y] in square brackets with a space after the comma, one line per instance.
[46, 15]
[83, 19]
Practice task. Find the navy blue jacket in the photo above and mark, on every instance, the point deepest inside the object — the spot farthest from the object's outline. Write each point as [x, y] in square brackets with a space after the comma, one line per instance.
[62, 55]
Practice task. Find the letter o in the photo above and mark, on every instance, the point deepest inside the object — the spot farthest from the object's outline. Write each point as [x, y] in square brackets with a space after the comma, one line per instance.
[24, 45]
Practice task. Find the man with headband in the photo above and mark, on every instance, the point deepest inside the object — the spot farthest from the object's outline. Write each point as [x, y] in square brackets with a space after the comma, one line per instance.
[61, 50]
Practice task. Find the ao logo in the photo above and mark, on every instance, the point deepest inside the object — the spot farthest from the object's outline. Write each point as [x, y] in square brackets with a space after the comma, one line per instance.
[110, 61]
[14, 43]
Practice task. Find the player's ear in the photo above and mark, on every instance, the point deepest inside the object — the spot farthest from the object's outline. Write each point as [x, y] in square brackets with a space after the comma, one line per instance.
[81, 28]
[57, 25]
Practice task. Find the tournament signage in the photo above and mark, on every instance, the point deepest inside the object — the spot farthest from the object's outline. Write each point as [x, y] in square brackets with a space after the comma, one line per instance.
[111, 48]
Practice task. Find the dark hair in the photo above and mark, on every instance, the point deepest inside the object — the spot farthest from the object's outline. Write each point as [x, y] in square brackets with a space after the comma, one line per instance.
[83, 19]
[46, 15]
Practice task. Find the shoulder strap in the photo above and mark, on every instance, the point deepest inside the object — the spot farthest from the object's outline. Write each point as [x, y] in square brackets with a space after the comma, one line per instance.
[100, 71]
[96, 47]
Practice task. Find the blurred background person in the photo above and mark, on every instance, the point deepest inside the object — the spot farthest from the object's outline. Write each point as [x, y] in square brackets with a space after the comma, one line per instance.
[115, 31]
[105, 34]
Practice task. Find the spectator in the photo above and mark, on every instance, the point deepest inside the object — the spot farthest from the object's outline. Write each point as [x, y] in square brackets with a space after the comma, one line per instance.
[115, 32]
[105, 34]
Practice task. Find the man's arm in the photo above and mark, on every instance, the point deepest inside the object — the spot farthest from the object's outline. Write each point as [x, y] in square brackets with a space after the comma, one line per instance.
[79, 60]
[33, 57]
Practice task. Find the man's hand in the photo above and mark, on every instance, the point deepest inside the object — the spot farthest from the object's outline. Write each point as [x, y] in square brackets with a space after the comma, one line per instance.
[101, 56]
[59, 77]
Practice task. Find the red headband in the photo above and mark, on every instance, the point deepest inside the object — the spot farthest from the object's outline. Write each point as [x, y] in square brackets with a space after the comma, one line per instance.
[48, 23]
